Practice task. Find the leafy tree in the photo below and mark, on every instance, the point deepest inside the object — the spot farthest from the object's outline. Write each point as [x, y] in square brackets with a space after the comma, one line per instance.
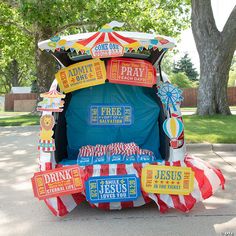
[34, 87]
[41, 19]
[181, 80]
[185, 65]
[232, 73]
[15, 52]
[232, 79]
[216, 50]
[167, 63]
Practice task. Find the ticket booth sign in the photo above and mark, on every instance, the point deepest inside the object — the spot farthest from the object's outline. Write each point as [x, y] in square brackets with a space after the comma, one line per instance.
[167, 179]
[81, 75]
[119, 188]
[58, 182]
[131, 72]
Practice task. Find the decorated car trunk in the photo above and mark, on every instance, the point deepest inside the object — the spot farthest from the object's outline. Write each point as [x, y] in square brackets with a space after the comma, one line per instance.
[111, 128]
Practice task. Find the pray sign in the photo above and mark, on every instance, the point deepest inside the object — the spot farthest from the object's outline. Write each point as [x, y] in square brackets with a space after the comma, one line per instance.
[131, 72]
[58, 182]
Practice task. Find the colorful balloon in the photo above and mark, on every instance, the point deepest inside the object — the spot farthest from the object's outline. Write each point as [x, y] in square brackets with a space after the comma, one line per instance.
[173, 127]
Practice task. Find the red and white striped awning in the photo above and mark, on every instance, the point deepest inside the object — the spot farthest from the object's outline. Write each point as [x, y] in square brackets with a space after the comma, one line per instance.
[107, 43]
[52, 94]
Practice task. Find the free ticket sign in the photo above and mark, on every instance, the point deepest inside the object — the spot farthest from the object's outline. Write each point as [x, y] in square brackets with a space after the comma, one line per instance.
[110, 114]
[131, 72]
[167, 179]
[119, 188]
[58, 182]
[81, 75]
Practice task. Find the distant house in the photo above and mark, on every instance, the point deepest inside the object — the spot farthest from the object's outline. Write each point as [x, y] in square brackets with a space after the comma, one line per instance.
[20, 99]
[20, 90]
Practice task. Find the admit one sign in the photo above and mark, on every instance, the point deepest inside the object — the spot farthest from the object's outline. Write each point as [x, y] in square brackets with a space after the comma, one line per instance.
[81, 75]
[167, 179]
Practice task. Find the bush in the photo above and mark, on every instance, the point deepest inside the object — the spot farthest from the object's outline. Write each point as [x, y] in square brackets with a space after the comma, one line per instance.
[181, 80]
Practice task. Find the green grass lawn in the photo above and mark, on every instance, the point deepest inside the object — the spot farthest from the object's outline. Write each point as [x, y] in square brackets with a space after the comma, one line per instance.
[20, 120]
[211, 129]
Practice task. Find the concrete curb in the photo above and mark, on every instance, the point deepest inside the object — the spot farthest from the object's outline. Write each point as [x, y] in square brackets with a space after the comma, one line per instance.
[207, 147]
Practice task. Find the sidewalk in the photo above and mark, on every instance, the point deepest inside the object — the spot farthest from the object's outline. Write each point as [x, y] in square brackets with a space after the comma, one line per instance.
[22, 214]
[192, 110]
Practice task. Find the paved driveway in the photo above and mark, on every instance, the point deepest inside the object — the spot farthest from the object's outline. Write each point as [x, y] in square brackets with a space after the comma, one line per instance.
[22, 214]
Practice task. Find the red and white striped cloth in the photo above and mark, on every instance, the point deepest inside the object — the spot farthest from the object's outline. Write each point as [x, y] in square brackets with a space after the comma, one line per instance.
[207, 180]
[47, 145]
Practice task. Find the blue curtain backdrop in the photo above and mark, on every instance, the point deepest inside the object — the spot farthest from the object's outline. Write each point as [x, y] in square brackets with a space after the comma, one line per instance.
[144, 129]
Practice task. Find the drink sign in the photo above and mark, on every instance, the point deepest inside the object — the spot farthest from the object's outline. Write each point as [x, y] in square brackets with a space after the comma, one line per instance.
[119, 188]
[58, 182]
[131, 72]
[81, 75]
[167, 179]
[110, 114]
[108, 49]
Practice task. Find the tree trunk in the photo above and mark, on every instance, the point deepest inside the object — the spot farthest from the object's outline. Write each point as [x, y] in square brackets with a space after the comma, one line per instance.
[212, 92]
[45, 64]
[15, 73]
[215, 51]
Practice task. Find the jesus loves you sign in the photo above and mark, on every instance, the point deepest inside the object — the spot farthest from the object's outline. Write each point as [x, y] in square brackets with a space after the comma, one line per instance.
[119, 188]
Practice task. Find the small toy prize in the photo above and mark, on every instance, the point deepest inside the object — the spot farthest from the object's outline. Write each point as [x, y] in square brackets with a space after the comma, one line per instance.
[115, 148]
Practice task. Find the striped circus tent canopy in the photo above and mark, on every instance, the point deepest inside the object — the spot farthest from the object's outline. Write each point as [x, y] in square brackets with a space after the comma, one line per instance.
[117, 41]
[52, 94]
[106, 34]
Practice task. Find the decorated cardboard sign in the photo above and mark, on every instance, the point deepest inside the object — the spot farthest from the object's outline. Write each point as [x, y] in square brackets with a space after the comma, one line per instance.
[85, 160]
[46, 142]
[170, 95]
[51, 101]
[58, 182]
[131, 71]
[173, 127]
[107, 49]
[167, 179]
[111, 115]
[81, 75]
[119, 188]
